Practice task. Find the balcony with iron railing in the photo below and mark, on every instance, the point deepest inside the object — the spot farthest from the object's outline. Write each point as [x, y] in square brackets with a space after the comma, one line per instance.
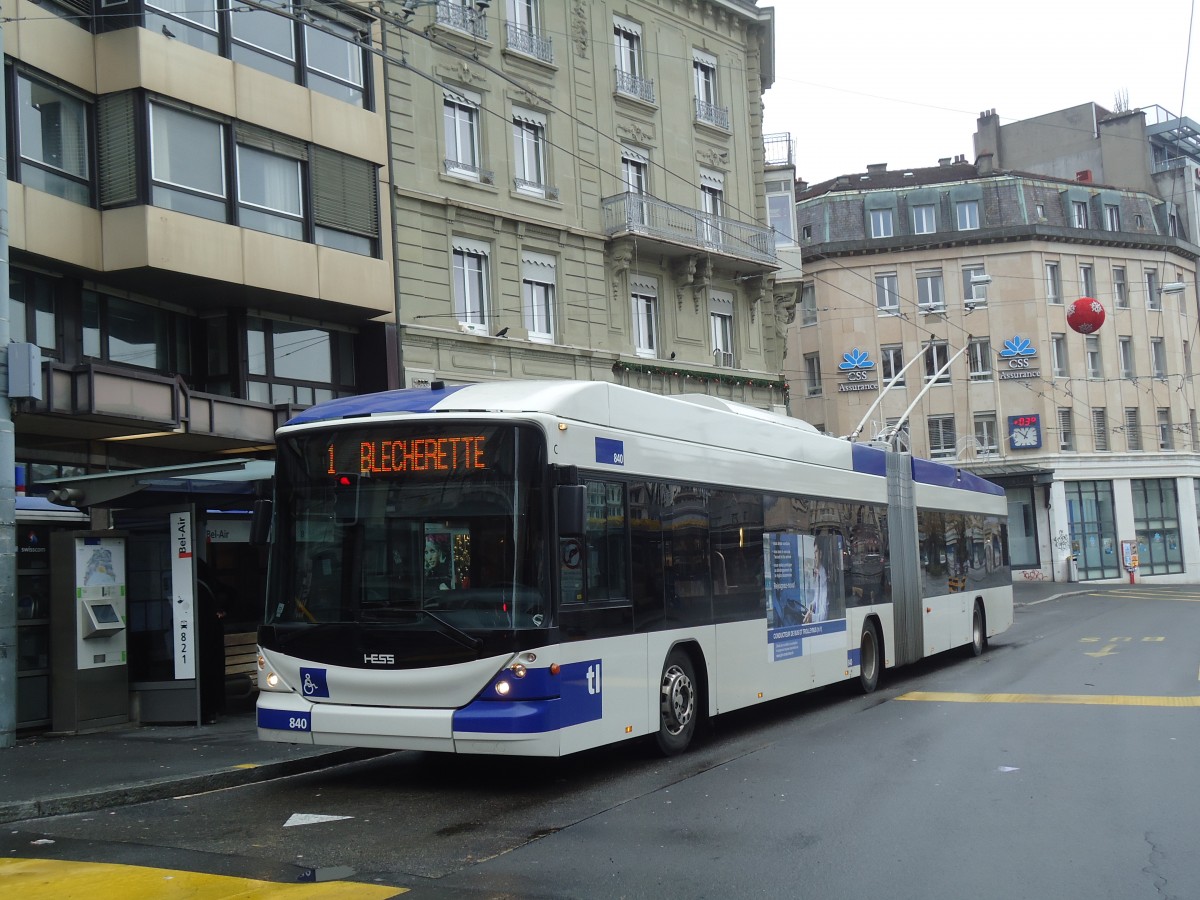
[634, 85]
[711, 114]
[779, 149]
[535, 189]
[523, 40]
[692, 229]
[468, 171]
[462, 18]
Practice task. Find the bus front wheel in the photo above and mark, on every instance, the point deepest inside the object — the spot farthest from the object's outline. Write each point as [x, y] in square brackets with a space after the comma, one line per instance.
[868, 658]
[978, 632]
[677, 704]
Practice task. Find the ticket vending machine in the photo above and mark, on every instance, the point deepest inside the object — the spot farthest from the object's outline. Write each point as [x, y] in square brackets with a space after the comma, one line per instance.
[88, 640]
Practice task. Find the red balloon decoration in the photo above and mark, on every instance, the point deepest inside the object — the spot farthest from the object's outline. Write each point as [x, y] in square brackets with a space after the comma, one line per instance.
[1085, 315]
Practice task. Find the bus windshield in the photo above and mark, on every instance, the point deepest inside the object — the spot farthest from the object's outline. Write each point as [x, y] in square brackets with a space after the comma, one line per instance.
[427, 524]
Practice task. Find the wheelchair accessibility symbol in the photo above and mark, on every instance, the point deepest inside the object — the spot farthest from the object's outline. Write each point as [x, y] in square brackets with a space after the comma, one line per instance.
[313, 683]
[572, 553]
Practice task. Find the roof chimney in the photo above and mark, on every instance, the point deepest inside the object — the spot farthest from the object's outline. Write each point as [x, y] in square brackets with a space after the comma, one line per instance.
[876, 168]
[944, 161]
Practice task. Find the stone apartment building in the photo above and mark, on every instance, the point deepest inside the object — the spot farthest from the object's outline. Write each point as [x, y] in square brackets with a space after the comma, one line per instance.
[578, 192]
[953, 283]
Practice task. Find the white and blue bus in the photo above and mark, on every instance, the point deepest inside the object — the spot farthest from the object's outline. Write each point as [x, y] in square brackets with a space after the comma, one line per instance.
[538, 568]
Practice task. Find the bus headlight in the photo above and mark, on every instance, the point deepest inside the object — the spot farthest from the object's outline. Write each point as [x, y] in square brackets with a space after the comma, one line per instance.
[518, 670]
[502, 688]
[272, 680]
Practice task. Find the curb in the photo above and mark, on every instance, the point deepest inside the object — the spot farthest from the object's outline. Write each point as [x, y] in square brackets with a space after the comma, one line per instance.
[127, 795]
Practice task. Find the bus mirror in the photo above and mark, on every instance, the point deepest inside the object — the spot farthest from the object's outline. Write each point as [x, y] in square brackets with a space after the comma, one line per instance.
[572, 510]
[260, 522]
[345, 499]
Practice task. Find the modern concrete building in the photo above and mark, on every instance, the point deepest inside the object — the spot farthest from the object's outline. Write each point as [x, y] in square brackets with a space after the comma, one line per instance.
[198, 245]
[954, 283]
[579, 193]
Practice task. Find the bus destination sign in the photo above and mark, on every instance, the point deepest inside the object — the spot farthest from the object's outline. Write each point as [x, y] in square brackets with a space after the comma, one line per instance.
[444, 454]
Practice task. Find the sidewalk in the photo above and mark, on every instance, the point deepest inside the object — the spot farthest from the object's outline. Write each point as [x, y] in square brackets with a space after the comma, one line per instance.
[47, 775]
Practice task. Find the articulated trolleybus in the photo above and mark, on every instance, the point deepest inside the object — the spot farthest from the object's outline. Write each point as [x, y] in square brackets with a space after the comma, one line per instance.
[539, 568]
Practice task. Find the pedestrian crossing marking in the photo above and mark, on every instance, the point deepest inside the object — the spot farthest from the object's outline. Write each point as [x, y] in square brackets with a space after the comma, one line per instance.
[1063, 699]
[54, 879]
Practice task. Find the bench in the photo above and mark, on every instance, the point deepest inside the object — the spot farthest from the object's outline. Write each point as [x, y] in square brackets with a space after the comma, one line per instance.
[241, 663]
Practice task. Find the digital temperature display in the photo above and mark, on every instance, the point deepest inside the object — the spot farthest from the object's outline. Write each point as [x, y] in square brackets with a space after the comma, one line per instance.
[1025, 432]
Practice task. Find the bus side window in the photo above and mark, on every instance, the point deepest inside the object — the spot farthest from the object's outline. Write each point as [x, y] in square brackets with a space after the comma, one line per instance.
[720, 574]
[605, 558]
[736, 560]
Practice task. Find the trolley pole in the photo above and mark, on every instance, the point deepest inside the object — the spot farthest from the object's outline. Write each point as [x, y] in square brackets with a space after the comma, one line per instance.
[8, 500]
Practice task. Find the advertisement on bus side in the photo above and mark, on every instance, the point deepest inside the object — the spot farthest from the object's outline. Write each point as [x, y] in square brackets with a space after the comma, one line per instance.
[805, 605]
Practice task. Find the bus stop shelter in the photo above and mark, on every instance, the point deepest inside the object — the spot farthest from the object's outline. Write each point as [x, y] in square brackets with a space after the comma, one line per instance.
[180, 571]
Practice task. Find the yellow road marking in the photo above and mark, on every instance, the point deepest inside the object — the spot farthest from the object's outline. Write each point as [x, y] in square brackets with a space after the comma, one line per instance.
[1067, 699]
[1149, 595]
[52, 879]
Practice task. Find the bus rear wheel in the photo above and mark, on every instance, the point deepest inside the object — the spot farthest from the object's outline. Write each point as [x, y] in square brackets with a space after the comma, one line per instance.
[868, 658]
[677, 704]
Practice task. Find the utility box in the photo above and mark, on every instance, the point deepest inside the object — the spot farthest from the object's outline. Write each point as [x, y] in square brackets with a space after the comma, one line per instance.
[89, 665]
[24, 371]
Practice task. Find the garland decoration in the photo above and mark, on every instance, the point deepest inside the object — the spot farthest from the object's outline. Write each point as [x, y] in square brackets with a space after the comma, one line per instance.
[703, 377]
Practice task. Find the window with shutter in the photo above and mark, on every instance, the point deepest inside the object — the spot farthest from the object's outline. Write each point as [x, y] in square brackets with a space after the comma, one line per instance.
[1100, 429]
[116, 150]
[345, 201]
[1133, 429]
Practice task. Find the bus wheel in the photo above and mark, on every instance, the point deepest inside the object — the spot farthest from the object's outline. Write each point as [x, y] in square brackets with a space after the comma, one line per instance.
[868, 658]
[978, 635]
[677, 704]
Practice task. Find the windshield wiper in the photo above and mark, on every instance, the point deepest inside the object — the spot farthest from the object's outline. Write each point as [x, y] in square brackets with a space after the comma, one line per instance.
[452, 632]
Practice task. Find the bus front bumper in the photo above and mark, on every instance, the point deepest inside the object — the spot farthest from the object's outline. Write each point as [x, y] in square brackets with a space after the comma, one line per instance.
[289, 718]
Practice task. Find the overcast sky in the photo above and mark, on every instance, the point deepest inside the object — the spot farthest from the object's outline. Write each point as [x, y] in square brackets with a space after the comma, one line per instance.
[880, 81]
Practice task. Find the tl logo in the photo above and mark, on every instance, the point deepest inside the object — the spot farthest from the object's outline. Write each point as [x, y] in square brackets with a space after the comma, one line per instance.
[1018, 346]
[856, 359]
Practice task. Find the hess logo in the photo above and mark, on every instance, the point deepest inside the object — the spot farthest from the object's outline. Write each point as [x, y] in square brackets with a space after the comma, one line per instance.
[379, 659]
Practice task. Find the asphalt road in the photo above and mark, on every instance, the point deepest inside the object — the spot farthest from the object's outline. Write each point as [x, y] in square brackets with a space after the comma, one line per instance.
[1061, 763]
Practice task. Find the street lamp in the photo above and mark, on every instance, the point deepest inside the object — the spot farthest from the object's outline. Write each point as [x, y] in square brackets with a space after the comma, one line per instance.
[1174, 287]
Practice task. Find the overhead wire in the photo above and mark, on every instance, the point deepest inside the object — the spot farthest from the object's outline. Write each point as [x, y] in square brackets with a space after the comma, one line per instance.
[376, 11]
